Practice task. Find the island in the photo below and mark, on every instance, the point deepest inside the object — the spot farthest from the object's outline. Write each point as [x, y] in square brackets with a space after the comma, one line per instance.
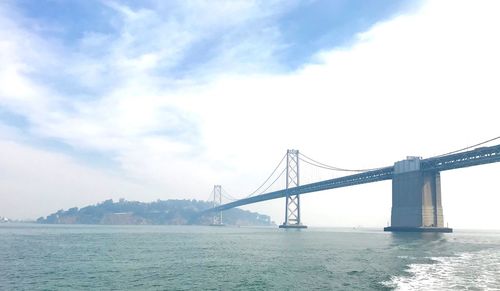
[169, 212]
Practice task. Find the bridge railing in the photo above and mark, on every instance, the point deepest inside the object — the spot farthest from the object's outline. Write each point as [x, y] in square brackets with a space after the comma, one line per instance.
[479, 156]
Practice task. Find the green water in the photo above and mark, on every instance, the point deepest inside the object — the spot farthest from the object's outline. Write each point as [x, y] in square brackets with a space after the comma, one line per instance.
[74, 257]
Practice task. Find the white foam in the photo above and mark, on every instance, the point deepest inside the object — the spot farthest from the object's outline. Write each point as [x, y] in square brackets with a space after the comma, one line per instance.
[466, 271]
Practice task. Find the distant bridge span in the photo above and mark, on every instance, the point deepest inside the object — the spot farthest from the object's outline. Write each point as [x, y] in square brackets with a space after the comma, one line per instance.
[416, 186]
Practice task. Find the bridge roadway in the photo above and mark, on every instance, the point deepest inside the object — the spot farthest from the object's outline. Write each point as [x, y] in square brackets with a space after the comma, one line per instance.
[478, 156]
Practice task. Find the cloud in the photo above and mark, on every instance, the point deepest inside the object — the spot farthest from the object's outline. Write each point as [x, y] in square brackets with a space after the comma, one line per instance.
[181, 103]
[126, 99]
[36, 182]
[412, 85]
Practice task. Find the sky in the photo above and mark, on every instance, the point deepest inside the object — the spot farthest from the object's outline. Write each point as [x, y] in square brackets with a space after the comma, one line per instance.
[148, 100]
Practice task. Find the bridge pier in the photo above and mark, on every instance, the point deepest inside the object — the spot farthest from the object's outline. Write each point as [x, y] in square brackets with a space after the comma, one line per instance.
[416, 199]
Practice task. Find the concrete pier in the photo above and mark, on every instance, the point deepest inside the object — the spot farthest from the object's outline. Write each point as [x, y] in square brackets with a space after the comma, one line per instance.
[293, 226]
[416, 199]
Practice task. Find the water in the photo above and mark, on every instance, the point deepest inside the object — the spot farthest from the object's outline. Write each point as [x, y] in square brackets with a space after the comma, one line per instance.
[74, 257]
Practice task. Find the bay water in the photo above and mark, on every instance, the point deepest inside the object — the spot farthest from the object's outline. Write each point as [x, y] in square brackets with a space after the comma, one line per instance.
[86, 257]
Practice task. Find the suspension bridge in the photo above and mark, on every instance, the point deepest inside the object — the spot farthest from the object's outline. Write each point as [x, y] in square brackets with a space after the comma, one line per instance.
[416, 186]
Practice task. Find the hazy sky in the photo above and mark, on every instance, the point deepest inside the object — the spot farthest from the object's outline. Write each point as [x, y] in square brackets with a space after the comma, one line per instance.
[151, 100]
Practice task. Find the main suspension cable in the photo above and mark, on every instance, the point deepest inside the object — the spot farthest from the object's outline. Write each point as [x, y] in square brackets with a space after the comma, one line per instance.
[328, 167]
[466, 148]
[281, 174]
[211, 196]
[274, 171]
[226, 195]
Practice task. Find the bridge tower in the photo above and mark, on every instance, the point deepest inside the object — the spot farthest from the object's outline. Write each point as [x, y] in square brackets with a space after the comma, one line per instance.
[217, 218]
[416, 199]
[292, 204]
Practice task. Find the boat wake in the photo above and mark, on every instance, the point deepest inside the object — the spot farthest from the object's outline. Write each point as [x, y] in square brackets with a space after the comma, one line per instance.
[466, 271]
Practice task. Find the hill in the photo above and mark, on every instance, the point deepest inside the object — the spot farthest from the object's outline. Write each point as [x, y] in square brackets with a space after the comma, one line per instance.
[173, 212]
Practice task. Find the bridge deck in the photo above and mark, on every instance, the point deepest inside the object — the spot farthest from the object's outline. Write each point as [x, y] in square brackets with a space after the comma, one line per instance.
[479, 156]
[476, 157]
[362, 178]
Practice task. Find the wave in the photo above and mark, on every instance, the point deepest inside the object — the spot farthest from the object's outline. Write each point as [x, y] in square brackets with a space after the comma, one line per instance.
[466, 271]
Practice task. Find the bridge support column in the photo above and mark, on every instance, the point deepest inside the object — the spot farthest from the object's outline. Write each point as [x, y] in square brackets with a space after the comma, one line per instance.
[416, 199]
[217, 218]
[292, 206]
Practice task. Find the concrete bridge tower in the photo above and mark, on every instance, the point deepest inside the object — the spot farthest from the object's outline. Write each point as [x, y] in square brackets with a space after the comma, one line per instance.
[416, 199]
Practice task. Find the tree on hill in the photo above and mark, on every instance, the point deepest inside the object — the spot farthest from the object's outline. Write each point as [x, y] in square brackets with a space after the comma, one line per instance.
[158, 212]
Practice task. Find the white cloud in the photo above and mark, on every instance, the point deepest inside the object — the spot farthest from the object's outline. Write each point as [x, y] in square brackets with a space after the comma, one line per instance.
[419, 84]
[35, 182]
[408, 86]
